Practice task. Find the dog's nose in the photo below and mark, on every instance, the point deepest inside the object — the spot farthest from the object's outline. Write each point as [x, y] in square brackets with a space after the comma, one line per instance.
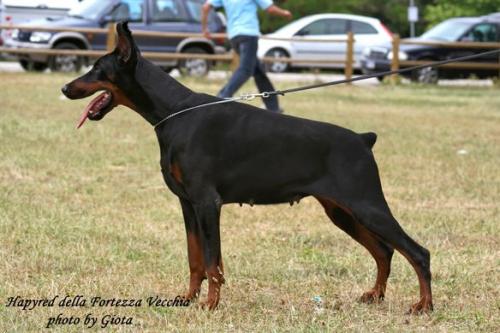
[65, 89]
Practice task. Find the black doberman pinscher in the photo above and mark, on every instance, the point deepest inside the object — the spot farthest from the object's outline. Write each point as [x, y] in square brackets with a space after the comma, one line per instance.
[237, 153]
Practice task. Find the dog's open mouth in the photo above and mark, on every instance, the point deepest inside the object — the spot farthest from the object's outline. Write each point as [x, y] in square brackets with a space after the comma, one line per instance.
[97, 108]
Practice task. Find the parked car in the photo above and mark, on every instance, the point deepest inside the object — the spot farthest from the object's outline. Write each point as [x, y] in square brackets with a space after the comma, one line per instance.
[181, 16]
[368, 31]
[19, 11]
[466, 29]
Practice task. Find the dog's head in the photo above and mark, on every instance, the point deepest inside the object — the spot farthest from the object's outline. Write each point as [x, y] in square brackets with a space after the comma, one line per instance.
[111, 74]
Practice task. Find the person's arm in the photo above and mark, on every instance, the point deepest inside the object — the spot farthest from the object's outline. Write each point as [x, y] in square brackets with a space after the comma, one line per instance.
[277, 11]
[205, 10]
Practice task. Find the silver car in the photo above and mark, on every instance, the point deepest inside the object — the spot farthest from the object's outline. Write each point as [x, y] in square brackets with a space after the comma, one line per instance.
[368, 31]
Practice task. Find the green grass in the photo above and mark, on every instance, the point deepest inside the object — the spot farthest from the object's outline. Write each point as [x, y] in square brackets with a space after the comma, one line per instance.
[86, 213]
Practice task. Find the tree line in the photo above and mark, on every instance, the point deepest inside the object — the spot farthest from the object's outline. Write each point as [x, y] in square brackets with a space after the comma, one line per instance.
[393, 13]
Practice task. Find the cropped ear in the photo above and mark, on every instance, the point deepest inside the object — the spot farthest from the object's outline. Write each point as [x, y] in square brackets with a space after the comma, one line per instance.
[126, 49]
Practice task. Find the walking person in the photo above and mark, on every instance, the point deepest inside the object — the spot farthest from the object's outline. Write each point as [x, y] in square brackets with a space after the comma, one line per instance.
[243, 32]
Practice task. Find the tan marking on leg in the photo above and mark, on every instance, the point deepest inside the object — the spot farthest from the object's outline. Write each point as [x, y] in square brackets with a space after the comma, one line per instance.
[196, 266]
[371, 243]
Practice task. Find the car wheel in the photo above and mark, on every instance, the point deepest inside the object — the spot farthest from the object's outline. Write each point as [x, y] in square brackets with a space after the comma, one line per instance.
[277, 66]
[427, 75]
[33, 66]
[66, 63]
[194, 67]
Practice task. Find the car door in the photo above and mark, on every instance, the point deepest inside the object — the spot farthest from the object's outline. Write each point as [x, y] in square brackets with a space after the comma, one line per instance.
[321, 29]
[364, 35]
[485, 32]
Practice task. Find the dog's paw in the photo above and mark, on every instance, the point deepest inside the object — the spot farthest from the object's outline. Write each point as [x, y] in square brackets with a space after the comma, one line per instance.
[372, 296]
[210, 304]
[423, 306]
[191, 295]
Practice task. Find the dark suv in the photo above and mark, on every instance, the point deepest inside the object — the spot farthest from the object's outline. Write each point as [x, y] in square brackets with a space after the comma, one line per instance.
[150, 15]
[466, 29]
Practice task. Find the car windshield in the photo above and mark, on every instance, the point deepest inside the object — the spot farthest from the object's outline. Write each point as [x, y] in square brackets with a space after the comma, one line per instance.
[89, 9]
[449, 31]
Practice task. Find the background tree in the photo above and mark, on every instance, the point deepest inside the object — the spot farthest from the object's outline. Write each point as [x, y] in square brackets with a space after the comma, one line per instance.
[443, 9]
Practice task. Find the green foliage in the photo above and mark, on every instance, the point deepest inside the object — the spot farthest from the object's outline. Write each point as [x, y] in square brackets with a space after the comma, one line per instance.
[444, 9]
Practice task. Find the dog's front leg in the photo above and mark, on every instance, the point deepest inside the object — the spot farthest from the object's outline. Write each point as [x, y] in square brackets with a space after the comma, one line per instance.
[208, 217]
[195, 251]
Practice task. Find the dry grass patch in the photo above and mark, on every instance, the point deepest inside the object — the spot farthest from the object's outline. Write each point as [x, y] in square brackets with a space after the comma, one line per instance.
[86, 213]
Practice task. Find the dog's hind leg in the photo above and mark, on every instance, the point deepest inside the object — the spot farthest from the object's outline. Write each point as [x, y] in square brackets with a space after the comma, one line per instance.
[381, 252]
[378, 219]
[195, 251]
[208, 216]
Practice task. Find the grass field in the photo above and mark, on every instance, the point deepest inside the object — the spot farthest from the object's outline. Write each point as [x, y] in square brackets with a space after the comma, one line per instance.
[86, 213]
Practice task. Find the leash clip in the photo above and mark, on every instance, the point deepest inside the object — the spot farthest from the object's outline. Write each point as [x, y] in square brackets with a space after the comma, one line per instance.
[250, 97]
[247, 97]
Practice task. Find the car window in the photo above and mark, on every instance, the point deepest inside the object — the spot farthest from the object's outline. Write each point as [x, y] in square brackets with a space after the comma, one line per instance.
[449, 30]
[90, 9]
[130, 10]
[194, 9]
[337, 27]
[315, 28]
[324, 27]
[167, 11]
[485, 32]
[358, 27]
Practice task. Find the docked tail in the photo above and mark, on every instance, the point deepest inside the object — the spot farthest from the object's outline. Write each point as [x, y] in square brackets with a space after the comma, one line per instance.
[369, 139]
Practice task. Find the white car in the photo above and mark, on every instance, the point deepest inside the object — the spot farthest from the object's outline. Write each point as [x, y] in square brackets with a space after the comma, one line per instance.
[367, 31]
[21, 11]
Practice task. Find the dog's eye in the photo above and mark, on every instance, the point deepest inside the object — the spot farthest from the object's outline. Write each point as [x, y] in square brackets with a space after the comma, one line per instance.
[99, 72]
[104, 75]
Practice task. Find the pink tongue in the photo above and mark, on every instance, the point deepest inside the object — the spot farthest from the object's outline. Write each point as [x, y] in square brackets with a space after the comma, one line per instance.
[89, 107]
[84, 117]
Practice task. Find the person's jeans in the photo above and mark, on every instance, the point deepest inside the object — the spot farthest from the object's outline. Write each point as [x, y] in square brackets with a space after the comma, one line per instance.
[246, 47]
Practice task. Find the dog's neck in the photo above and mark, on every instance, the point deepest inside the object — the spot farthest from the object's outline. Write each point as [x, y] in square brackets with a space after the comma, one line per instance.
[155, 94]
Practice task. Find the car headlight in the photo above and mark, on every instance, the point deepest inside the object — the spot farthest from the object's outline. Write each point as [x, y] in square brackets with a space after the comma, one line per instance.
[401, 55]
[15, 34]
[367, 51]
[40, 36]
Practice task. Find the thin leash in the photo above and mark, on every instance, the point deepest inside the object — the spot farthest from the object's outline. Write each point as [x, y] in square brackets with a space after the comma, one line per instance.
[267, 94]
[244, 97]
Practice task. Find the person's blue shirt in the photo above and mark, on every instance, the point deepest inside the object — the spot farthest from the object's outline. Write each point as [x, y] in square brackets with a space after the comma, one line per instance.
[242, 16]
